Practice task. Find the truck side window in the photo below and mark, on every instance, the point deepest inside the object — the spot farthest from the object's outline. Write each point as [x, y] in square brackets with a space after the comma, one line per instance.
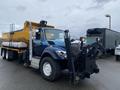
[38, 35]
[37, 39]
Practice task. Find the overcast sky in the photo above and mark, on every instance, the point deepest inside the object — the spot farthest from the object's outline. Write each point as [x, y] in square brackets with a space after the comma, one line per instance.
[75, 15]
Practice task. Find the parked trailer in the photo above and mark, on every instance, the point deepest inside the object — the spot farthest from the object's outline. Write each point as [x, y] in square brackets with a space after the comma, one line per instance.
[108, 38]
[49, 50]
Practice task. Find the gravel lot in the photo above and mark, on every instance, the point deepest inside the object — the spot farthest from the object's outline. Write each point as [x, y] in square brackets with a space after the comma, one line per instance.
[14, 76]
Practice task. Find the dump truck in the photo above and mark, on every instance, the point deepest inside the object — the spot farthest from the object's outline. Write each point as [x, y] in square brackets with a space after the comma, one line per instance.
[49, 50]
[109, 39]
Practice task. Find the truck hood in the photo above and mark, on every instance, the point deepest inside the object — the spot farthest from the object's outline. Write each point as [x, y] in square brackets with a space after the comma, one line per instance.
[57, 43]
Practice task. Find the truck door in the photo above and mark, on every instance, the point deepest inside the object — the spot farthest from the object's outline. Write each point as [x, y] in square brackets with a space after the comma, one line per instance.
[37, 44]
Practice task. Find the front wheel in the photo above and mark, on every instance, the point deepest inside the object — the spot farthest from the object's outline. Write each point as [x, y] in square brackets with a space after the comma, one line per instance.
[50, 70]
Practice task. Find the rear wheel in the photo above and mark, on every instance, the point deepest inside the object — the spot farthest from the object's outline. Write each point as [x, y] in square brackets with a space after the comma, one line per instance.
[7, 55]
[50, 70]
[3, 54]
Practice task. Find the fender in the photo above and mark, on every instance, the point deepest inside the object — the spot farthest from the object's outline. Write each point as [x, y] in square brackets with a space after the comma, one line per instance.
[52, 52]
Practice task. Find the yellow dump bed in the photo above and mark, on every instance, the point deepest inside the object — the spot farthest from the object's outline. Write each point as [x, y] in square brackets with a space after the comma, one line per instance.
[23, 34]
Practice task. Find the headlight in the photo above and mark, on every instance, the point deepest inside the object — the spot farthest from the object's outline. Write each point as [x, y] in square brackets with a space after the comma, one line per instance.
[61, 53]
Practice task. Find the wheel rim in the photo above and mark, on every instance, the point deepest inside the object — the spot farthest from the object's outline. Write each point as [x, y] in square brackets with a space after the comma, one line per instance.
[47, 69]
[6, 54]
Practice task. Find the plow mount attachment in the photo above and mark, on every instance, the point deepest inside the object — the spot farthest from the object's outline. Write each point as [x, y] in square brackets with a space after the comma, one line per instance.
[81, 60]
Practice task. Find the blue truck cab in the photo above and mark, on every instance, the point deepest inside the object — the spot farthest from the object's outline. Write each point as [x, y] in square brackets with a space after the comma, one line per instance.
[49, 46]
[49, 41]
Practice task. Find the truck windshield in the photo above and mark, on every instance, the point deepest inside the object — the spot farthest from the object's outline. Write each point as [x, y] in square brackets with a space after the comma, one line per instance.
[91, 40]
[54, 34]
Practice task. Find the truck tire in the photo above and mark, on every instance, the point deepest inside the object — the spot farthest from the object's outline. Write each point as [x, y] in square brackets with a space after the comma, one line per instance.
[117, 58]
[3, 54]
[7, 55]
[50, 70]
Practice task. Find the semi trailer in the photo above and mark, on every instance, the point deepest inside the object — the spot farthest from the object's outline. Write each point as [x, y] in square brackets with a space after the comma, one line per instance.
[49, 50]
[109, 39]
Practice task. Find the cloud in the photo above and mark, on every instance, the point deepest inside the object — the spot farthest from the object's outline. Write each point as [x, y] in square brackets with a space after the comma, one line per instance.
[72, 9]
[65, 14]
[42, 0]
[99, 4]
[103, 1]
[21, 8]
